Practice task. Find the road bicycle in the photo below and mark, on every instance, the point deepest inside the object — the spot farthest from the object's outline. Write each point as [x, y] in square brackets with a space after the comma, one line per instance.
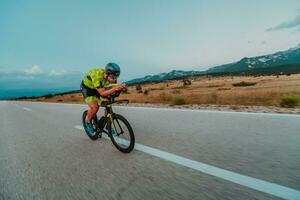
[114, 125]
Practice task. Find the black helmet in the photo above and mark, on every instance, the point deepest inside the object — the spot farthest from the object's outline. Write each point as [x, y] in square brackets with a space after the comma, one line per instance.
[113, 70]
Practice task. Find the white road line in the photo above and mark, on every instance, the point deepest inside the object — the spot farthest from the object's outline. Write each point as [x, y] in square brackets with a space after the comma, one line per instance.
[247, 181]
[27, 109]
[79, 127]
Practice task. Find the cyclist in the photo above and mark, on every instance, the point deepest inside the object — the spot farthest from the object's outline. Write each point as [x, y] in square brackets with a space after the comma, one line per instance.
[96, 84]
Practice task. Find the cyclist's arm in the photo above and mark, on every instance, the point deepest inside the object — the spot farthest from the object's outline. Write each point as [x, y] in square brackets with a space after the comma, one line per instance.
[107, 92]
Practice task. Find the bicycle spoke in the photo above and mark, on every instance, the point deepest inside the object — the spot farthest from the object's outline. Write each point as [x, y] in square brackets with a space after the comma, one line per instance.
[121, 135]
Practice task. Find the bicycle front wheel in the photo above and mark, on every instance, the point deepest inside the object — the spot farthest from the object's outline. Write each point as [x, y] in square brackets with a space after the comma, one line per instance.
[121, 133]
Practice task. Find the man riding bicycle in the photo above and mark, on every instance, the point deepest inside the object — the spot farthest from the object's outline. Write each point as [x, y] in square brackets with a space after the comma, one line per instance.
[96, 84]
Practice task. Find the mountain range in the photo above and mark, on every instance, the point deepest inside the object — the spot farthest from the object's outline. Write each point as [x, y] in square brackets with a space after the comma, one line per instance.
[280, 62]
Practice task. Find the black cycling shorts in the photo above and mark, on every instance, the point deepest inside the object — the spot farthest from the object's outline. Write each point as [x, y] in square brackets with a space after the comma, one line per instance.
[88, 93]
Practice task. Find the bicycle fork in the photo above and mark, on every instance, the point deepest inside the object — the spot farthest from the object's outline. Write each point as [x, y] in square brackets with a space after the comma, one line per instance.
[109, 116]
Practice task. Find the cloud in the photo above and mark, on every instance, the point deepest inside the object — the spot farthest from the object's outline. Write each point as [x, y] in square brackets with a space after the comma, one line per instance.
[263, 42]
[54, 72]
[37, 70]
[289, 24]
[20, 77]
[34, 70]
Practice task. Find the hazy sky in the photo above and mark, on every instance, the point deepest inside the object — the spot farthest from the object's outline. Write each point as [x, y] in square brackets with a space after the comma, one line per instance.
[59, 37]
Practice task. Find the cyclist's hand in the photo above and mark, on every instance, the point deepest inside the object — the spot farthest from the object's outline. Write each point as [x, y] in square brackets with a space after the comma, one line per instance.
[121, 87]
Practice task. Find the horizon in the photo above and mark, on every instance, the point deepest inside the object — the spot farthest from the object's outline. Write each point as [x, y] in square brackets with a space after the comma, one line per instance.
[41, 91]
[43, 49]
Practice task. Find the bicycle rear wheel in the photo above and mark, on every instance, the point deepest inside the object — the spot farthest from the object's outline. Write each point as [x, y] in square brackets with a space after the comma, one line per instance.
[121, 133]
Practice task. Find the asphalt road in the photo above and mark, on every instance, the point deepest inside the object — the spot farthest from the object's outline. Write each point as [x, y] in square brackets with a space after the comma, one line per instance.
[45, 155]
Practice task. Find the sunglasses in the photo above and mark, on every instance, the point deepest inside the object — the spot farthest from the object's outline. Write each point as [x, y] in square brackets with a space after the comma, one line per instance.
[113, 76]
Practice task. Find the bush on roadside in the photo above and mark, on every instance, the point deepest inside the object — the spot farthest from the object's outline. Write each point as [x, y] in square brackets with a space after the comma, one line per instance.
[289, 101]
[243, 84]
[186, 82]
[177, 100]
[138, 87]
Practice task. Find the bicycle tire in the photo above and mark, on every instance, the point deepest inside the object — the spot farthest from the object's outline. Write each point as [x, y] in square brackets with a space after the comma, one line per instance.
[96, 135]
[131, 133]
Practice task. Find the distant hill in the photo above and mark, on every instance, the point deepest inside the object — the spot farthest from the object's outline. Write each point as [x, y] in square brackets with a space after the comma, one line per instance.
[165, 76]
[281, 62]
[289, 57]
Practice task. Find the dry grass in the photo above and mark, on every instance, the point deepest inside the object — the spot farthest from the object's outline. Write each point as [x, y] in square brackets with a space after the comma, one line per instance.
[268, 91]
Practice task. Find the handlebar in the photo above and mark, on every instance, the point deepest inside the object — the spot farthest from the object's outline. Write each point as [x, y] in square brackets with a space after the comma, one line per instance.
[111, 98]
[108, 102]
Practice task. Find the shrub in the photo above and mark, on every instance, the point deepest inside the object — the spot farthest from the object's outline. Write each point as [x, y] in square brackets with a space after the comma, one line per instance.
[186, 82]
[138, 87]
[243, 84]
[177, 100]
[146, 92]
[289, 101]
[59, 100]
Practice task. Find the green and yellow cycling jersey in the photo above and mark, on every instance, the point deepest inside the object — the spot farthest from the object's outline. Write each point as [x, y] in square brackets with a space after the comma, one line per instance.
[95, 79]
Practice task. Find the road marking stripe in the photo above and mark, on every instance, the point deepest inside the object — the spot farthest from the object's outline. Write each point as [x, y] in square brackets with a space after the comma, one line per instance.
[79, 127]
[247, 181]
[27, 109]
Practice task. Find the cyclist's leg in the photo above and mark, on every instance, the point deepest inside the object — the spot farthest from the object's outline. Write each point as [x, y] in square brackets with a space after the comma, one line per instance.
[93, 104]
[91, 99]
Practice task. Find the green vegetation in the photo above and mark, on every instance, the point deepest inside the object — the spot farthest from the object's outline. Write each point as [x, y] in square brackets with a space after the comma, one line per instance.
[289, 101]
[177, 100]
[138, 87]
[186, 82]
[243, 84]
